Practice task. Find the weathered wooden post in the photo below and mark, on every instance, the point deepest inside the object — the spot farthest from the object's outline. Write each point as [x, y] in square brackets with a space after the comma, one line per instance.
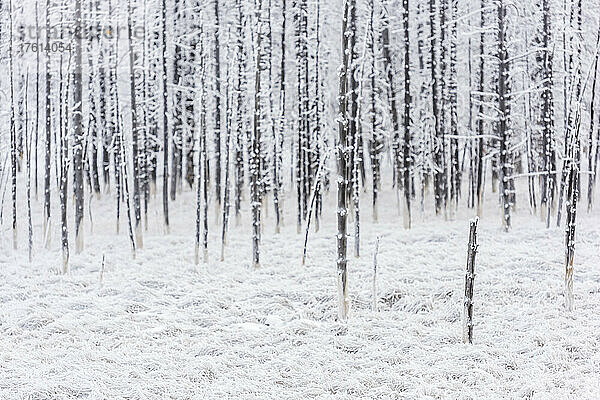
[374, 291]
[469, 280]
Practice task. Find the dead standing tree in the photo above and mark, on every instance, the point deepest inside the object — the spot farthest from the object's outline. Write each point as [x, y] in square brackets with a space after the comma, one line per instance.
[342, 181]
[76, 77]
[255, 140]
[469, 282]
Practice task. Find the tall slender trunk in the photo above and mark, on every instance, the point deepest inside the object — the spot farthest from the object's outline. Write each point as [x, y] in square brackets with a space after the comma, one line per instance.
[165, 112]
[504, 115]
[93, 124]
[278, 141]
[37, 105]
[218, 162]
[78, 132]
[177, 135]
[377, 141]
[134, 131]
[480, 119]
[406, 167]
[438, 174]
[28, 140]
[572, 73]
[455, 176]
[255, 174]
[342, 181]
[547, 117]
[228, 122]
[239, 86]
[48, 116]
[592, 166]
[13, 133]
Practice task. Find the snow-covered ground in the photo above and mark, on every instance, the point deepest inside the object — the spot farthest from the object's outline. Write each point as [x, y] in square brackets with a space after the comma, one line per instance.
[159, 327]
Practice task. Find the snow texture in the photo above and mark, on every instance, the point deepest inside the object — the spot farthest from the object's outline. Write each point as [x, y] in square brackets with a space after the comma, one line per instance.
[160, 328]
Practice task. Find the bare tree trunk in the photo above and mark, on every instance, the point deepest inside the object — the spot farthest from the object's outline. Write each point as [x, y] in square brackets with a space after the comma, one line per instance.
[37, 105]
[204, 153]
[48, 115]
[572, 163]
[480, 120]
[78, 132]
[93, 124]
[469, 283]
[455, 176]
[28, 143]
[240, 84]
[134, 131]
[573, 75]
[377, 139]
[438, 174]
[165, 113]
[546, 118]
[177, 135]
[255, 144]
[342, 182]
[407, 121]
[504, 115]
[202, 178]
[126, 186]
[572, 198]
[591, 165]
[13, 136]
[278, 141]
[228, 122]
[64, 175]
[218, 173]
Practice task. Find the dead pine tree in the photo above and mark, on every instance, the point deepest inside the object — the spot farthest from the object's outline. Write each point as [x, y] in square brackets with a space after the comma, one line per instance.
[28, 145]
[201, 155]
[217, 114]
[573, 165]
[77, 111]
[572, 94]
[342, 181]
[204, 153]
[134, 131]
[13, 133]
[36, 127]
[48, 145]
[278, 142]
[572, 198]
[227, 183]
[93, 124]
[438, 159]
[469, 281]
[126, 188]
[389, 76]
[593, 164]
[255, 173]
[311, 209]
[165, 110]
[480, 110]
[407, 105]
[377, 142]
[239, 89]
[65, 162]
[546, 116]
[503, 127]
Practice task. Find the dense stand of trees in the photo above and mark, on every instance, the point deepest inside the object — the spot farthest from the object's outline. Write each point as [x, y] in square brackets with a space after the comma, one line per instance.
[445, 101]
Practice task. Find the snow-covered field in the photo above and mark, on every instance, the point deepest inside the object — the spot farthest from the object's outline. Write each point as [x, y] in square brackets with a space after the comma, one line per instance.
[159, 327]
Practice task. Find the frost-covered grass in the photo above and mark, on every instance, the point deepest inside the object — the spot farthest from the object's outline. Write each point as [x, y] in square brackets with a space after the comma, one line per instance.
[159, 328]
